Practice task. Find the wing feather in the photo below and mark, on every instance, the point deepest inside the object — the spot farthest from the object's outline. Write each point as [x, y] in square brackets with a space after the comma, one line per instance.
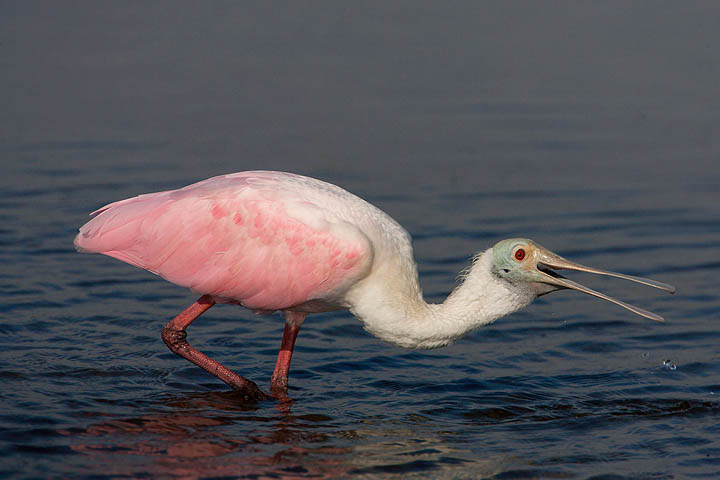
[268, 244]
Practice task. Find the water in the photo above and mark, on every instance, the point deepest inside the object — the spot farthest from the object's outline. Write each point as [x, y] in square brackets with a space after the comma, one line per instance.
[591, 128]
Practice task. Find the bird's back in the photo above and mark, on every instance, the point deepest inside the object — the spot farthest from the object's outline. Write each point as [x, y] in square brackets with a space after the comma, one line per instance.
[267, 240]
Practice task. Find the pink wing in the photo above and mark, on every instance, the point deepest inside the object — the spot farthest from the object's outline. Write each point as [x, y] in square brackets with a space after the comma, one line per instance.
[268, 244]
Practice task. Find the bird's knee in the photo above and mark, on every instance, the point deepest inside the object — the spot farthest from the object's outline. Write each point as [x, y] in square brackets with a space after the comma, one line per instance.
[173, 337]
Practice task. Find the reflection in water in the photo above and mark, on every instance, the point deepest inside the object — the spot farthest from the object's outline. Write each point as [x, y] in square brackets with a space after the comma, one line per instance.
[193, 435]
[216, 434]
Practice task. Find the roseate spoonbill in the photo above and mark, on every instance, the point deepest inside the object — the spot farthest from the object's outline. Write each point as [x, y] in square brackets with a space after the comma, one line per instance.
[278, 241]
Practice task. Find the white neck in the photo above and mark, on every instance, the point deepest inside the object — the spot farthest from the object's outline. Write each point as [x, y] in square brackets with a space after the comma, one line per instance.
[395, 311]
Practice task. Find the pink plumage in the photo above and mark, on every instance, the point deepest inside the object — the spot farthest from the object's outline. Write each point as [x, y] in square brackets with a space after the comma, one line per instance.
[266, 240]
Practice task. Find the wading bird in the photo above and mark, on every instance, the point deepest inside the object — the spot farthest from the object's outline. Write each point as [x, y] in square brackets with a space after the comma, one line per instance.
[278, 241]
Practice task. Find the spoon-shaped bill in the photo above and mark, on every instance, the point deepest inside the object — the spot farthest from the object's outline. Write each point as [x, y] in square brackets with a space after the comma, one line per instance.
[566, 283]
[554, 261]
[546, 258]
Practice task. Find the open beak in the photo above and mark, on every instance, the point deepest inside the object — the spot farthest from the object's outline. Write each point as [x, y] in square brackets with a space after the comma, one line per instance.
[547, 261]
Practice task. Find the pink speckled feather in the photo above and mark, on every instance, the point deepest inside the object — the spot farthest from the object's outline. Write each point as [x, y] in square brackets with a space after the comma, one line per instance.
[267, 240]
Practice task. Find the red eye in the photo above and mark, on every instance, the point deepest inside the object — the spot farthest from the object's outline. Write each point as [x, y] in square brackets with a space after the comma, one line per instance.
[519, 254]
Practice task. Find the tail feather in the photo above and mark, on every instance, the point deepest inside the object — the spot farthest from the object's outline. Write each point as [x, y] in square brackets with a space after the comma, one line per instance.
[115, 227]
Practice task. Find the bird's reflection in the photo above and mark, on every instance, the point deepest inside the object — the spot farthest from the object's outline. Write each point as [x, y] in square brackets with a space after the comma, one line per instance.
[201, 435]
[213, 434]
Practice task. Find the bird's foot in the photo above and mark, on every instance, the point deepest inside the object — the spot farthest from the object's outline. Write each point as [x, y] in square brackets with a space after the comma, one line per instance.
[278, 388]
[278, 385]
[250, 391]
[247, 388]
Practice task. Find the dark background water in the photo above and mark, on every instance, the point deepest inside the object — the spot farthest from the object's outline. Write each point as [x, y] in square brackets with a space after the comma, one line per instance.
[591, 127]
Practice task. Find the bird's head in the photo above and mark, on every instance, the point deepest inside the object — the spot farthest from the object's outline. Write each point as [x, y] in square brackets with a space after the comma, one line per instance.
[526, 264]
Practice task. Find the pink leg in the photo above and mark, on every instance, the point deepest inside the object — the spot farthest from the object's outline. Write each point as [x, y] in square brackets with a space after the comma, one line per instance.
[174, 336]
[279, 381]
